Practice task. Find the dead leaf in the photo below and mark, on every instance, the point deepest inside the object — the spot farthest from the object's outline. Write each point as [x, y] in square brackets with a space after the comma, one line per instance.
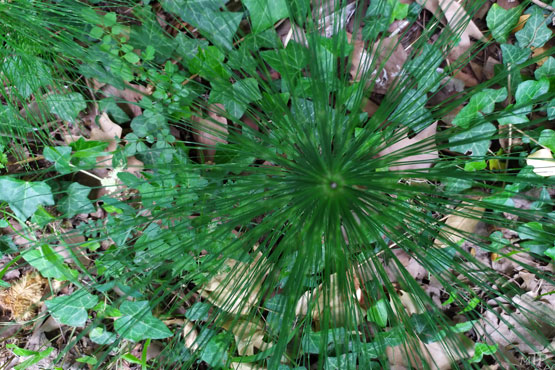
[249, 335]
[521, 22]
[231, 290]
[130, 96]
[332, 298]
[426, 157]
[437, 355]
[190, 335]
[211, 131]
[455, 17]
[23, 296]
[389, 51]
[543, 163]
[459, 224]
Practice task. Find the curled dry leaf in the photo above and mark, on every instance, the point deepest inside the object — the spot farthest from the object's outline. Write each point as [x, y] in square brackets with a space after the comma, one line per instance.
[388, 51]
[190, 335]
[130, 97]
[249, 335]
[543, 162]
[211, 131]
[315, 301]
[456, 18]
[532, 319]
[427, 154]
[458, 224]
[231, 291]
[23, 296]
[437, 355]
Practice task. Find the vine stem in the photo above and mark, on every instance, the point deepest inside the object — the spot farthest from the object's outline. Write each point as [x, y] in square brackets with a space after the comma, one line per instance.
[541, 4]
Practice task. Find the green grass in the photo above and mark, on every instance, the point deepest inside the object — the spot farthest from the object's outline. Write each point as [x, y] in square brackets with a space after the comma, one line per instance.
[267, 216]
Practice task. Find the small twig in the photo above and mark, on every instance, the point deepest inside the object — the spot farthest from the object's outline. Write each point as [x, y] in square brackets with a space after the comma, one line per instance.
[530, 137]
[25, 161]
[541, 4]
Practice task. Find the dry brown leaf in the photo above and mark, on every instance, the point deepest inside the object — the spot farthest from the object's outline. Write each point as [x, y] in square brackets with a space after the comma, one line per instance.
[389, 50]
[455, 16]
[532, 319]
[230, 290]
[23, 296]
[458, 222]
[248, 335]
[130, 96]
[190, 335]
[427, 154]
[209, 132]
[333, 299]
[437, 355]
[521, 22]
[543, 162]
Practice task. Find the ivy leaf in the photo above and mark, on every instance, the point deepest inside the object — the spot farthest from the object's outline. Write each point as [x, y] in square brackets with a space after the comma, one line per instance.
[288, 61]
[214, 348]
[480, 103]
[513, 54]
[265, 13]
[100, 335]
[66, 106]
[535, 33]
[411, 111]
[137, 322]
[49, 263]
[474, 148]
[551, 109]
[217, 26]
[76, 201]
[547, 69]
[530, 90]
[346, 361]
[72, 309]
[526, 92]
[235, 100]
[501, 21]
[424, 68]
[198, 311]
[60, 155]
[25, 197]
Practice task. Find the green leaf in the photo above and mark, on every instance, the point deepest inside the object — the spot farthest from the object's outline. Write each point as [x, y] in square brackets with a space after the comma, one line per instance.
[110, 106]
[198, 311]
[214, 351]
[265, 13]
[501, 21]
[551, 110]
[217, 26]
[480, 104]
[110, 19]
[530, 90]
[100, 335]
[547, 69]
[513, 55]
[72, 309]
[535, 32]
[547, 139]
[378, 313]
[481, 349]
[60, 155]
[473, 146]
[550, 253]
[49, 263]
[131, 57]
[25, 197]
[137, 322]
[288, 61]
[475, 166]
[346, 361]
[26, 74]
[411, 112]
[76, 201]
[66, 106]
